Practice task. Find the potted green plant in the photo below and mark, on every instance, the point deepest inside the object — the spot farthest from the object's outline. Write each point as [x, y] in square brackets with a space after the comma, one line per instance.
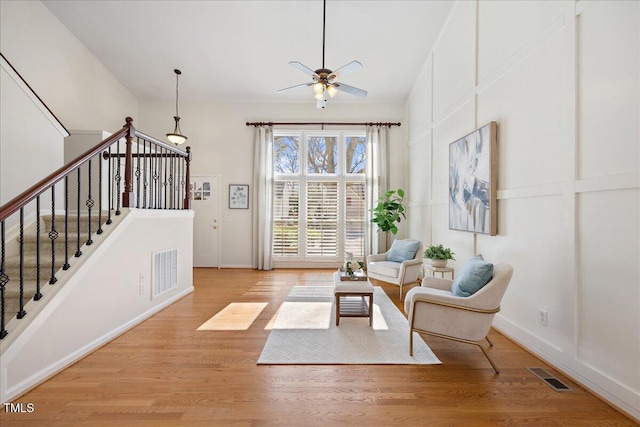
[438, 255]
[389, 211]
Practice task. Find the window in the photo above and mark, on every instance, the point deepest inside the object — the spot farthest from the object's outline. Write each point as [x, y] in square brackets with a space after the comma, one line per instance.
[319, 190]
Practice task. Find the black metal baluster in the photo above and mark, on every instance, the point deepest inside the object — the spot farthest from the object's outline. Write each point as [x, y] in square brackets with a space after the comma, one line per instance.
[152, 167]
[53, 235]
[38, 294]
[118, 190]
[159, 181]
[137, 173]
[171, 186]
[158, 178]
[4, 279]
[164, 181]
[66, 264]
[89, 204]
[110, 196]
[21, 312]
[78, 252]
[145, 183]
[154, 186]
[181, 186]
[99, 195]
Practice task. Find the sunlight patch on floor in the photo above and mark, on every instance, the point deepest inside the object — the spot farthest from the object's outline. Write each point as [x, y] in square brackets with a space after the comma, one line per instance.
[302, 315]
[237, 316]
[378, 319]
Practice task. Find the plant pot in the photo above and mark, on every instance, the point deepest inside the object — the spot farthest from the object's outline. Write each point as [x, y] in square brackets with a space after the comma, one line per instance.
[438, 263]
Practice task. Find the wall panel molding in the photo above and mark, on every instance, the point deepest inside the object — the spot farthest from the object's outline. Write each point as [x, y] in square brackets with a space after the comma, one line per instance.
[536, 96]
[620, 181]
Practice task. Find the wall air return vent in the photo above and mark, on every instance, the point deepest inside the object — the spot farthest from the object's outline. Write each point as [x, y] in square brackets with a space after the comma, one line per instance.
[165, 271]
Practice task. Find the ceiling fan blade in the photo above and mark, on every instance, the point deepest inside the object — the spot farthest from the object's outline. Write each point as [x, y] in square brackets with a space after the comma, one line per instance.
[351, 90]
[293, 87]
[345, 69]
[300, 66]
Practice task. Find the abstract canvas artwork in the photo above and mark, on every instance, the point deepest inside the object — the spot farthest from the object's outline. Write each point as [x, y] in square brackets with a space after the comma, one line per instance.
[473, 181]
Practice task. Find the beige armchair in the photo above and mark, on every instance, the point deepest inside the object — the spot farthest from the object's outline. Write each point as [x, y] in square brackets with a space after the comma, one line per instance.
[398, 273]
[434, 310]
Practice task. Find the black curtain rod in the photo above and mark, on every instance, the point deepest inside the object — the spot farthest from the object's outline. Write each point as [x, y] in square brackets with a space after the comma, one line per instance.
[321, 123]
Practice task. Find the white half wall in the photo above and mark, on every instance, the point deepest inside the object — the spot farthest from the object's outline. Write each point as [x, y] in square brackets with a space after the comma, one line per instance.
[103, 297]
[562, 79]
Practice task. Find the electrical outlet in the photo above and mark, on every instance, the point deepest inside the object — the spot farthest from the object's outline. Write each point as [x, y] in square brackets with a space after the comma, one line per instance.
[542, 317]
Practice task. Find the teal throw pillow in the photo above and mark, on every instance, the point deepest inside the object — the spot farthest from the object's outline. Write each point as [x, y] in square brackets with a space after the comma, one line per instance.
[403, 250]
[474, 275]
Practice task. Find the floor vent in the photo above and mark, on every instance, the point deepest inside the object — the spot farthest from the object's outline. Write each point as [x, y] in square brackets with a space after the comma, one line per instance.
[165, 271]
[549, 379]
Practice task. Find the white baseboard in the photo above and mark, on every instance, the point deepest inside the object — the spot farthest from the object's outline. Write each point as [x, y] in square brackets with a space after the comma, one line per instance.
[46, 373]
[617, 395]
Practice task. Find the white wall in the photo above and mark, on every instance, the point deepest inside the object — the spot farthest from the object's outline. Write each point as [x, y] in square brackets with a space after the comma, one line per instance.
[562, 79]
[222, 144]
[79, 90]
[31, 139]
[93, 303]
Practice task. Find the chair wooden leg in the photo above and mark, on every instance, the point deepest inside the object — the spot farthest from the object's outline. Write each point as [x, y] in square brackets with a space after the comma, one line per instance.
[410, 342]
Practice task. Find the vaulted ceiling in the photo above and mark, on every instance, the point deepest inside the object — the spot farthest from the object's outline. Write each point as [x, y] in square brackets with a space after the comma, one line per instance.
[232, 51]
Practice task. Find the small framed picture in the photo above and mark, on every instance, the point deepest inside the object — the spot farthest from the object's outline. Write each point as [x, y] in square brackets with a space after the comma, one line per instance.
[238, 196]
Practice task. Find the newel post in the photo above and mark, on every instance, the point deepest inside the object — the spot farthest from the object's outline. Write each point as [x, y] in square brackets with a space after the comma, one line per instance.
[127, 195]
[187, 179]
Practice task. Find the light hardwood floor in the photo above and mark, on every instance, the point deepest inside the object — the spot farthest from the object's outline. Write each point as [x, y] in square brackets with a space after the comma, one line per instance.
[166, 373]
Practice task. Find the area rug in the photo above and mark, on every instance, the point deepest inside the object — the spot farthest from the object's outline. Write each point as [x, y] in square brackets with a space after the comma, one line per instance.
[305, 332]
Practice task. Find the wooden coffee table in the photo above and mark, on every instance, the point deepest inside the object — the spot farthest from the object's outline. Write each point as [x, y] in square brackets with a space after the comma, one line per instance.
[353, 288]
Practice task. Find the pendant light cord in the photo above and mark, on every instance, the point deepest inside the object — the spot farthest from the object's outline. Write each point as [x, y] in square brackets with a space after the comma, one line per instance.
[177, 75]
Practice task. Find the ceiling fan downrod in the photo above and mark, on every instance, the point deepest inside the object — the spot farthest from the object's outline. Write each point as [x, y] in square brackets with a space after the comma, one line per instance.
[324, 20]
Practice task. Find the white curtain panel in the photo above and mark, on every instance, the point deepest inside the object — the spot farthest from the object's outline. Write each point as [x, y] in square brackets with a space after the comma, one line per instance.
[376, 183]
[262, 198]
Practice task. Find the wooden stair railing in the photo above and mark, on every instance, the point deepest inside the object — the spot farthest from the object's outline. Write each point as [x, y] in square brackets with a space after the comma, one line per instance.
[156, 176]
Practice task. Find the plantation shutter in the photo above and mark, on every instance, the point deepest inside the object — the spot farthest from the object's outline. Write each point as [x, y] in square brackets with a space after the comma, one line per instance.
[322, 219]
[354, 219]
[286, 219]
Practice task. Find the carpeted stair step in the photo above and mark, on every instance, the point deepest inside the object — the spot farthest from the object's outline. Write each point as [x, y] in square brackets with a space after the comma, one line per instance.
[12, 290]
[73, 222]
[45, 243]
[12, 297]
[12, 266]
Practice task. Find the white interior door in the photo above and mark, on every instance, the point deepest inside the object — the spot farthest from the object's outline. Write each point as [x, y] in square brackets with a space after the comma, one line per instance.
[205, 194]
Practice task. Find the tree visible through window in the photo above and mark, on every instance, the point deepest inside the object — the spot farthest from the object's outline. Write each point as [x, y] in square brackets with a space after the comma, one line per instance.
[318, 209]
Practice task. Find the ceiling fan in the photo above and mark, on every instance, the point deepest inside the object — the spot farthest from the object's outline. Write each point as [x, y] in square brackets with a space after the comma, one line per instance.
[325, 81]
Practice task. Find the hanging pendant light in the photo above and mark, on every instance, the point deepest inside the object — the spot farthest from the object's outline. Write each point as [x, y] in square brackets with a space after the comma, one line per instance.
[176, 136]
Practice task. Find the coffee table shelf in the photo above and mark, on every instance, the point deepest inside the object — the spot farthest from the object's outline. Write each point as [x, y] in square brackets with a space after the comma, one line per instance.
[351, 296]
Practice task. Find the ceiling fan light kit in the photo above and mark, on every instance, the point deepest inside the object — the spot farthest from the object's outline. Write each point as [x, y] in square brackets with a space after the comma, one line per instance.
[324, 81]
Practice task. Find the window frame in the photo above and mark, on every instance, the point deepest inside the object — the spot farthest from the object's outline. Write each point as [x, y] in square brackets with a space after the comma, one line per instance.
[303, 177]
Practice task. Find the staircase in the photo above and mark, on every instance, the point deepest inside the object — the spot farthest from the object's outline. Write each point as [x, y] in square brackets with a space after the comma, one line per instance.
[30, 264]
[129, 169]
